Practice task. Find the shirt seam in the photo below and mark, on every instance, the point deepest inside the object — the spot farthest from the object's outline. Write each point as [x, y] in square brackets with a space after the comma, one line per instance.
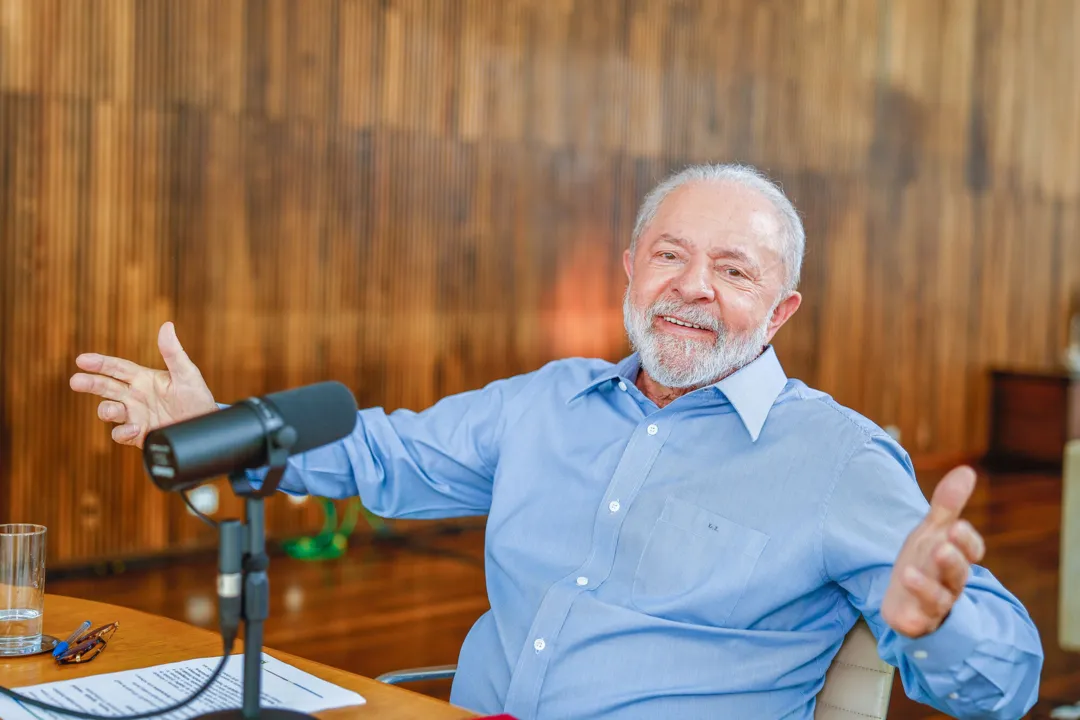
[511, 411]
[826, 506]
[862, 667]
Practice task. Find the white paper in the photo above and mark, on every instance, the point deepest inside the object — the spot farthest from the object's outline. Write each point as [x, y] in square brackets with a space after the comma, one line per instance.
[135, 691]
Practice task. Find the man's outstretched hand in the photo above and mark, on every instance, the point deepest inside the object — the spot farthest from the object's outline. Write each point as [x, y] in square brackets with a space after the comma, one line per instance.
[933, 565]
[140, 399]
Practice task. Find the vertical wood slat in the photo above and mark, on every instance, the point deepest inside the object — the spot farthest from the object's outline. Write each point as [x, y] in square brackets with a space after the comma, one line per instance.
[416, 197]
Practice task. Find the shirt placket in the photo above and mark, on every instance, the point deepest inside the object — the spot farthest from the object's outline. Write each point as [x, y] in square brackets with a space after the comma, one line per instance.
[634, 466]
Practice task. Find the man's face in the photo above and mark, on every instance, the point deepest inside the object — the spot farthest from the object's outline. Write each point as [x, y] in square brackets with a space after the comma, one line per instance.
[705, 282]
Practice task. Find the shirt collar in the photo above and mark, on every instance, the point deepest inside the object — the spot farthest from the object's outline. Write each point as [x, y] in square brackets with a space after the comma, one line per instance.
[752, 390]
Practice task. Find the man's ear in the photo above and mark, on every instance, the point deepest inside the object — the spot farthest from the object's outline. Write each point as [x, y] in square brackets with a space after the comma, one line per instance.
[784, 310]
[628, 263]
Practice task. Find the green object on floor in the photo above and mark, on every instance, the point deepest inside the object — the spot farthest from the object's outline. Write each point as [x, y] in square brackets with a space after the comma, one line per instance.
[332, 540]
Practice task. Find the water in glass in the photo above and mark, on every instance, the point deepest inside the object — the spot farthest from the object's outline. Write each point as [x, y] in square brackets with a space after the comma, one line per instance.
[22, 588]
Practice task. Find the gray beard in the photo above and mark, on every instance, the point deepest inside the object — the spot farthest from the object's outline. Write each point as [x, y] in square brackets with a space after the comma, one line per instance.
[684, 362]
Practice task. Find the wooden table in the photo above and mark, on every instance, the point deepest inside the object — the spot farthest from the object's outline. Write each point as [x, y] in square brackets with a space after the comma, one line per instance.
[162, 640]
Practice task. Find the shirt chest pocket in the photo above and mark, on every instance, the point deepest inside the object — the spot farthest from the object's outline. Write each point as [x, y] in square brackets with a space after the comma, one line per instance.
[696, 565]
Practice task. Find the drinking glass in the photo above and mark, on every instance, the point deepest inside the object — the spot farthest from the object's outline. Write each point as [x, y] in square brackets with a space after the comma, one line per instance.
[22, 588]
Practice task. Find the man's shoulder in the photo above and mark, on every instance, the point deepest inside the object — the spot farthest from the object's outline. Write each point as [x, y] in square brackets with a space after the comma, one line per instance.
[840, 436]
[817, 409]
[561, 377]
[576, 371]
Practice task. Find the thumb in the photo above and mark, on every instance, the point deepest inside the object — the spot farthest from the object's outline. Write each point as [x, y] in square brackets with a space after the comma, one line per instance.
[951, 494]
[178, 362]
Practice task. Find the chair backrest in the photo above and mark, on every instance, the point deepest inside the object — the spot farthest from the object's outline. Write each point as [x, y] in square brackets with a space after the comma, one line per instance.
[1069, 588]
[859, 683]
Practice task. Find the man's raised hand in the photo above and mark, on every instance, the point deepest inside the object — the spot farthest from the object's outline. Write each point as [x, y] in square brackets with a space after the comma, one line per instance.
[932, 567]
[140, 399]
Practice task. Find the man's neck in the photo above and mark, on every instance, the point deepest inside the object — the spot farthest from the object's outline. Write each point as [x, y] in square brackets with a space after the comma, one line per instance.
[663, 395]
[660, 394]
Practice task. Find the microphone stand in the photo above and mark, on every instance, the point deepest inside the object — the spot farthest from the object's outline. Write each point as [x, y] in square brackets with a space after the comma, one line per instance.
[243, 564]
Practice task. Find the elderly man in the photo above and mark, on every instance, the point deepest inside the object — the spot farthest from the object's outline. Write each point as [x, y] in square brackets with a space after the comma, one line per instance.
[688, 533]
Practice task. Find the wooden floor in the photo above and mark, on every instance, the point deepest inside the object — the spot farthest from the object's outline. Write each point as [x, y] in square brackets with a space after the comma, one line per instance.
[389, 605]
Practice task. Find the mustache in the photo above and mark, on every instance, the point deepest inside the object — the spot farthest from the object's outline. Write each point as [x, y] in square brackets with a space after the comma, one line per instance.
[690, 313]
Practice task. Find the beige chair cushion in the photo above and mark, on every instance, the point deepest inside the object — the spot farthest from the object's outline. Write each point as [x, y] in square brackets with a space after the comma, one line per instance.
[858, 683]
[1069, 589]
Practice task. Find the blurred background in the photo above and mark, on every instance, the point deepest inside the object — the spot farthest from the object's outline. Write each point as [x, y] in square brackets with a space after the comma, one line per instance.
[416, 197]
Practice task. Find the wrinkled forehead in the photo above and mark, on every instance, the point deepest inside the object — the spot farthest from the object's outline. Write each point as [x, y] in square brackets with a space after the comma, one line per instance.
[765, 225]
[720, 216]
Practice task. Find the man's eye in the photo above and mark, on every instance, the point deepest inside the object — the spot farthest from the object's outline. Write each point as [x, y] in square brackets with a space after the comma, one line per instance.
[734, 272]
[667, 255]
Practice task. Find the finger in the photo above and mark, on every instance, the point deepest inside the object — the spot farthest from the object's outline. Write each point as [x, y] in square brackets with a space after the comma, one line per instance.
[952, 567]
[176, 359]
[99, 385]
[951, 495]
[933, 599]
[126, 434]
[111, 411]
[115, 367]
[967, 538]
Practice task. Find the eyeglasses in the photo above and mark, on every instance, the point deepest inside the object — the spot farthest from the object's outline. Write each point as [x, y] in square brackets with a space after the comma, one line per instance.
[88, 646]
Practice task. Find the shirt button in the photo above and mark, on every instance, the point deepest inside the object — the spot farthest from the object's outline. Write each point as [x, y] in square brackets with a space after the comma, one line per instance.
[920, 654]
[613, 506]
[539, 644]
[583, 581]
[954, 696]
[622, 386]
[652, 429]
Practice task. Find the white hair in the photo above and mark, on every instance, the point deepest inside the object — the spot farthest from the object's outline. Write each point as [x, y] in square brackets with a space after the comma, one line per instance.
[794, 236]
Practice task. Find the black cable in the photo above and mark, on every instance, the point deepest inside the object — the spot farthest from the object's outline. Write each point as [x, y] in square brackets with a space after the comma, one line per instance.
[205, 518]
[149, 714]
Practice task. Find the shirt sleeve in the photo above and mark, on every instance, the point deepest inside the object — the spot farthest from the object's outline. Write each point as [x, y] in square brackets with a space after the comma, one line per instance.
[985, 659]
[437, 463]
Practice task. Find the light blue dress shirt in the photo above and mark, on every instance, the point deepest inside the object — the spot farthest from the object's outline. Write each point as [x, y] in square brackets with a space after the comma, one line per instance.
[701, 560]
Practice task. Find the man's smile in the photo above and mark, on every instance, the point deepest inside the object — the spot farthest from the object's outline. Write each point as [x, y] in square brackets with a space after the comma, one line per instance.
[683, 328]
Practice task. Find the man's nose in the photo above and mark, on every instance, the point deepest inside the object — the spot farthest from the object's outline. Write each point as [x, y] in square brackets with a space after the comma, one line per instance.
[694, 283]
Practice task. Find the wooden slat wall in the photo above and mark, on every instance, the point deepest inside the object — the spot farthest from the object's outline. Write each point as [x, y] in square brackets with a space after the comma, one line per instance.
[418, 196]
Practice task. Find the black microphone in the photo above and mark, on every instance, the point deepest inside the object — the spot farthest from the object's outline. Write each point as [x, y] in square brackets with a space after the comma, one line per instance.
[183, 455]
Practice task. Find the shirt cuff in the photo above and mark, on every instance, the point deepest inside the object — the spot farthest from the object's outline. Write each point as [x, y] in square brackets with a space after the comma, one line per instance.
[947, 647]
